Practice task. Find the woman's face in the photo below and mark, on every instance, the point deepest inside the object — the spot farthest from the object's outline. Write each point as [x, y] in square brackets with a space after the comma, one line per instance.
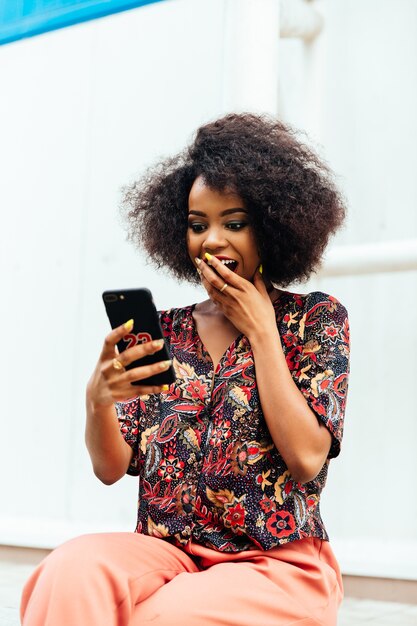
[218, 223]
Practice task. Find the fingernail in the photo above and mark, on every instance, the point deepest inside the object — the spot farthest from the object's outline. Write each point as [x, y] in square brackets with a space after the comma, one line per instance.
[208, 256]
[199, 272]
[158, 343]
[164, 364]
[261, 269]
[197, 260]
[129, 325]
[165, 387]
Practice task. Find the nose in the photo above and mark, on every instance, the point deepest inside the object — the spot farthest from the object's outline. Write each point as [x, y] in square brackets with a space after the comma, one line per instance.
[214, 240]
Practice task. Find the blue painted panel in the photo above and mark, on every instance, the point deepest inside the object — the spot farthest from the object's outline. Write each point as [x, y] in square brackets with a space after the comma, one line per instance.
[26, 18]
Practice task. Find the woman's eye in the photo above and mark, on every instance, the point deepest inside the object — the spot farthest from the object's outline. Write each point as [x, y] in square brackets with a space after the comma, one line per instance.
[236, 225]
[196, 228]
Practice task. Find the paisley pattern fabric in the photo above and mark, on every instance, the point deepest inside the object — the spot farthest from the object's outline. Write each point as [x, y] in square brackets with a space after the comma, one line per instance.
[208, 468]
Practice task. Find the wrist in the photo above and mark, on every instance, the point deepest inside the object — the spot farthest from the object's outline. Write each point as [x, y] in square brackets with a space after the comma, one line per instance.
[262, 337]
[97, 406]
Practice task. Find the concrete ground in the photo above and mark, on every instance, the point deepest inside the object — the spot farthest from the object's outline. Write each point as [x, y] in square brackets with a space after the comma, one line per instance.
[354, 612]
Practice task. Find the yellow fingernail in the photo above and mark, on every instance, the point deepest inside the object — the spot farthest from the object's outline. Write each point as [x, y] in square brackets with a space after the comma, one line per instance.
[208, 256]
[165, 387]
[129, 325]
[261, 269]
[158, 343]
[164, 364]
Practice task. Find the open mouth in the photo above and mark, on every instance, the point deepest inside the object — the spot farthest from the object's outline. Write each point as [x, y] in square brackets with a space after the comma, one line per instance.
[229, 263]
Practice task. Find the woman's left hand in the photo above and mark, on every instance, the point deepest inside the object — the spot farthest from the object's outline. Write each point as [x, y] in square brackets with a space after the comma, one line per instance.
[247, 305]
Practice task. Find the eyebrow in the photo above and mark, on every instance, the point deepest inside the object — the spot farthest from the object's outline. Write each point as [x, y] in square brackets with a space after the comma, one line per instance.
[222, 214]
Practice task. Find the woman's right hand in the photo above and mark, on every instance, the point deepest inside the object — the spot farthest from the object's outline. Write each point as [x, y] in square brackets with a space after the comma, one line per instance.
[108, 385]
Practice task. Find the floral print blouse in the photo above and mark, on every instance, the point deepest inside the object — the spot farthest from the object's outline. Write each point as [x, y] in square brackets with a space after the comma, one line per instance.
[208, 468]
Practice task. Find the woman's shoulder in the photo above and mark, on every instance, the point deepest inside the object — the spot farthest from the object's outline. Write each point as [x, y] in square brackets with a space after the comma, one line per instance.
[174, 312]
[307, 301]
[174, 317]
[307, 313]
[316, 319]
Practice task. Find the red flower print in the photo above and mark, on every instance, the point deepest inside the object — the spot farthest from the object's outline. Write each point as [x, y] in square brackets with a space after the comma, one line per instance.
[197, 389]
[288, 487]
[290, 318]
[230, 359]
[267, 505]
[130, 427]
[220, 433]
[309, 350]
[330, 332]
[185, 497]
[332, 305]
[262, 479]
[340, 385]
[171, 468]
[281, 524]
[318, 406]
[239, 460]
[312, 501]
[293, 357]
[289, 339]
[234, 516]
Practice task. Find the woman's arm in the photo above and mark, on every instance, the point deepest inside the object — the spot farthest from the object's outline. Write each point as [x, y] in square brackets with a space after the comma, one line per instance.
[109, 452]
[301, 439]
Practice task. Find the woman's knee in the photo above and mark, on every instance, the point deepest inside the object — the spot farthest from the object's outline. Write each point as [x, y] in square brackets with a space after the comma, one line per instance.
[77, 557]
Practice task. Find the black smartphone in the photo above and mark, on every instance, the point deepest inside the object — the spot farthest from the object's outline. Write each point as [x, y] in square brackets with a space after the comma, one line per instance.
[125, 304]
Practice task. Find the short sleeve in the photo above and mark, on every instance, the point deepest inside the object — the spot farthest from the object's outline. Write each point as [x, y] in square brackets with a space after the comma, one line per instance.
[323, 368]
[132, 413]
[128, 416]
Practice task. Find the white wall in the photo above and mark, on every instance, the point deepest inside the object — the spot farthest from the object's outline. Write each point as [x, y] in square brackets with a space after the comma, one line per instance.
[362, 112]
[83, 111]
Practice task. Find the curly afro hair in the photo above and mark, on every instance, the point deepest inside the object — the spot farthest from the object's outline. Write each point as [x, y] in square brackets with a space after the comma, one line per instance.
[289, 192]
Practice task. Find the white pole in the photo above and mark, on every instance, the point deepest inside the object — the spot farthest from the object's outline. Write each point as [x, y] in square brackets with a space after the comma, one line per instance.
[371, 258]
[250, 76]
[300, 19]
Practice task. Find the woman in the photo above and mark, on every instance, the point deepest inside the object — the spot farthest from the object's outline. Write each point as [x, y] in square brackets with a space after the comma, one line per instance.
[233, 457]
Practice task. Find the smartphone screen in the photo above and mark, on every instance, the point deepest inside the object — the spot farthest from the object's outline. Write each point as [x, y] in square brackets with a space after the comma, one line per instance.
[137, 304]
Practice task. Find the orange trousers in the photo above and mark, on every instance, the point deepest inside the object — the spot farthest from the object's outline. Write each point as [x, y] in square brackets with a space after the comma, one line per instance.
[128, 579]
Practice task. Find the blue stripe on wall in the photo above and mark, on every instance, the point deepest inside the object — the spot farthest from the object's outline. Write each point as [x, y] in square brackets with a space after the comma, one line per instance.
[26, 18]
